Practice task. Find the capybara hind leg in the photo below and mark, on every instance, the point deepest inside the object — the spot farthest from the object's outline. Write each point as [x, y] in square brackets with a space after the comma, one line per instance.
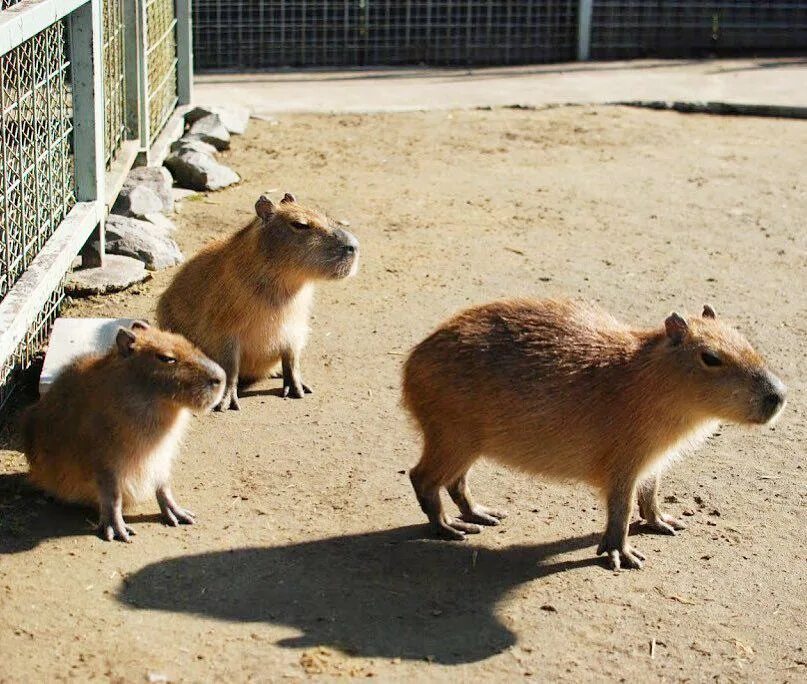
[470, 510]
[615, 540]
[427, 482]
[650, 510]
[110, 509]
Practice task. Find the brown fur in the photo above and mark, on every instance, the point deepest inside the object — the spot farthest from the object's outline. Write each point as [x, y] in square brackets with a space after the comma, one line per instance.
[108, 429]
[245, 300]
[563, 389]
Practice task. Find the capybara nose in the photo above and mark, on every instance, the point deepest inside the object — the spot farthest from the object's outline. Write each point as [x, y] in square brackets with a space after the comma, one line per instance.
[349, 243]
[775, 395]
[215, 382]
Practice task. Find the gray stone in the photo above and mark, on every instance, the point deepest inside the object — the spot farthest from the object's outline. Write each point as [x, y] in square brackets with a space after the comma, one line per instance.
[137, 201]
[235, 119]
[194, 144]
[136, 197]
[118, 273]
[211, 130]
[161, 221]
[199, 171]
[141, 240]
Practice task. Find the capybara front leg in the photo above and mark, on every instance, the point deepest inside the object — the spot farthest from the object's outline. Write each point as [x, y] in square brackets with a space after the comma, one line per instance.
[650, 510]
[230, 360]
[293, 385]
[110, 510]
[615, 540]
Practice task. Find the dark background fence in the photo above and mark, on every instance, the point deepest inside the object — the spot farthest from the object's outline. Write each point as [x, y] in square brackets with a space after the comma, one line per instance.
[255, 34]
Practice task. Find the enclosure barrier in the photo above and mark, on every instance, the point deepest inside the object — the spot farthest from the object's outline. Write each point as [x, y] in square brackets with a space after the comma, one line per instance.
[85, 87]
[254, 34]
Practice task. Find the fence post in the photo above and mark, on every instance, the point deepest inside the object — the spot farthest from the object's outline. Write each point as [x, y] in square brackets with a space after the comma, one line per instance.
[184, 52]
[84, 27]
[584, 29]
[144, 125]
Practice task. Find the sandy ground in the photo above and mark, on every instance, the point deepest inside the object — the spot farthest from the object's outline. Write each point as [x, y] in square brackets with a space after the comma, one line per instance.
[310, 556]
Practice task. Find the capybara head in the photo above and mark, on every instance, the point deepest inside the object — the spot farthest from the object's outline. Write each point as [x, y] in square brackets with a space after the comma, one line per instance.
[306, 241]
[170, 366]
[724, 377]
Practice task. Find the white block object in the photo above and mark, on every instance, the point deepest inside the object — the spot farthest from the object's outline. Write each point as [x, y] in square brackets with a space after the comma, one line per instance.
[74, 337]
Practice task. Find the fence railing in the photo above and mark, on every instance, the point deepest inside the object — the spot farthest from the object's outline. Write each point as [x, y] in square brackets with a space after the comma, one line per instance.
[75, 115]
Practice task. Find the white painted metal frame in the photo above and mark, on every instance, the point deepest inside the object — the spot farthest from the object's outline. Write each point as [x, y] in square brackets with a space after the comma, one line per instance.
[96, 188]
[22, 304]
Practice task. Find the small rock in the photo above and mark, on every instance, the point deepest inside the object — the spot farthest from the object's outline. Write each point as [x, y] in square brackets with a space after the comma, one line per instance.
[183, 193]
[118, 273]
[211, 130]
[199, 171]
[155, 178]
[141, 240]
[671, 498]
[549, 608]
[688, 511]
[161, 221]
[699, 500]
[193, 143]
[235, 119]
[137, 201]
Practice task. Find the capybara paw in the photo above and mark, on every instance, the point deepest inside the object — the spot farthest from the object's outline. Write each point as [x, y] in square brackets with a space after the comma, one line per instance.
[174, 515]
[109, 530]
[625, 557]
[295, 390]
[483, 516]
[454, 529]
[664, 524]
[229, 400]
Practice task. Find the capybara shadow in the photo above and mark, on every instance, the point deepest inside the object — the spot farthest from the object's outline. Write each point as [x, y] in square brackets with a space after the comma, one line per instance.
[28, 517]
[380, 594]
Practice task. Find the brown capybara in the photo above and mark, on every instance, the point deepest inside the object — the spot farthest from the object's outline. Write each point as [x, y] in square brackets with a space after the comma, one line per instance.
[246, 300]
[563, 389]
[108, 430]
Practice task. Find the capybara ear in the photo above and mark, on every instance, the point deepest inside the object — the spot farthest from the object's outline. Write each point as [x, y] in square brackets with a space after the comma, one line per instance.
[140, 325]
[676, 327]
[125, 340]
[708, 312]
[264, 207]
[288, 198]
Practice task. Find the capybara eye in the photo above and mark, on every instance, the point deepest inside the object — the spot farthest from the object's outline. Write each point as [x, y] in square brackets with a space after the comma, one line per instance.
[299, 225]
[166, 359]
[711, 360]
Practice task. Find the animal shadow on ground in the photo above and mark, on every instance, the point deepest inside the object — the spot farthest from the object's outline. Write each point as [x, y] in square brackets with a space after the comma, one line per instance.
[28, 517]
[380, 594]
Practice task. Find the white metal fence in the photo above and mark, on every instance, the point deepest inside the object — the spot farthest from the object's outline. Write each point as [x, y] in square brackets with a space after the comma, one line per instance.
[86, 87]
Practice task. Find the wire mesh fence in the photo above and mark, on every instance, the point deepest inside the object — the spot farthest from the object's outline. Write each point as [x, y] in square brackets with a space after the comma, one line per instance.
[36, 170]
[12, 367]
[277, 33]
[114, 82]
[259, 34]
[161, 57]
[36, 166]
[624, 29]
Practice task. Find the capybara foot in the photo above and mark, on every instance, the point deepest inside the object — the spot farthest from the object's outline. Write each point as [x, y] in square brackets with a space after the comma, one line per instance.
[115, 529]
[454, 529]
[664, 524]
[174, 515]
[624, 557]
[483, 515]
[295, 390]
[229, 400]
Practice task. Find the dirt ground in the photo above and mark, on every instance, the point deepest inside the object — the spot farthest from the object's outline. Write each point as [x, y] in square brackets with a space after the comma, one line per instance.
[310, 556]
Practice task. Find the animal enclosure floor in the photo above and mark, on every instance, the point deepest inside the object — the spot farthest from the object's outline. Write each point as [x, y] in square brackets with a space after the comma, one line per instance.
[309, 557]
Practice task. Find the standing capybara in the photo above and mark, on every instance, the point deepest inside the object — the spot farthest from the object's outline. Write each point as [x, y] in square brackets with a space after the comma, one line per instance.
[108, 430]
[563, 389]
[246, 300]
